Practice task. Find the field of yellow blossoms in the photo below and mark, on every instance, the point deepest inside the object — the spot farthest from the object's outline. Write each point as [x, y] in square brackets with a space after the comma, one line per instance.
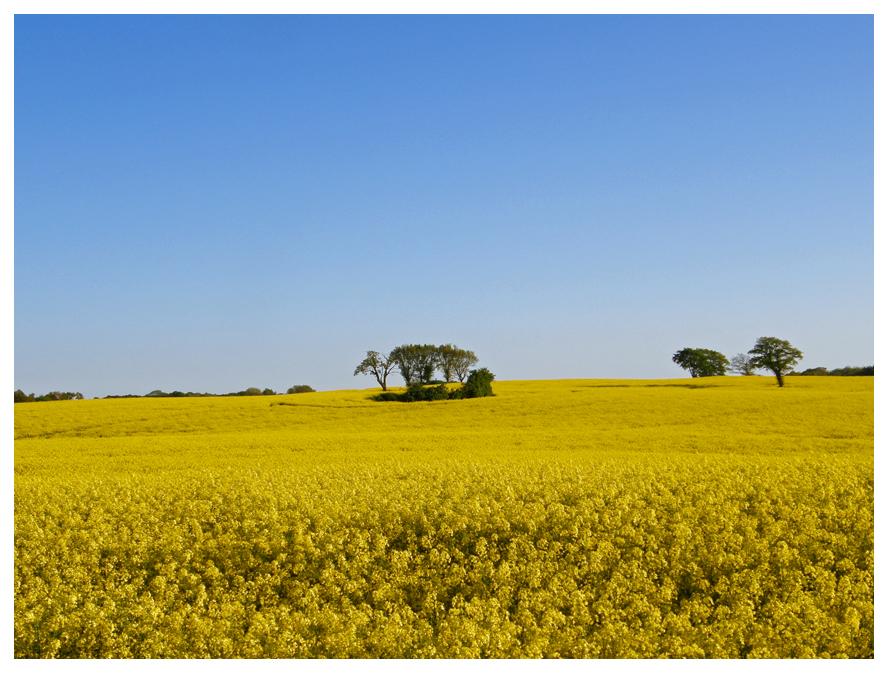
[717, 517]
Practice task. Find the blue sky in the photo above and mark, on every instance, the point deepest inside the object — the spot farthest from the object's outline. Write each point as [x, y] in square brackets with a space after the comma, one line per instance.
[209, 203]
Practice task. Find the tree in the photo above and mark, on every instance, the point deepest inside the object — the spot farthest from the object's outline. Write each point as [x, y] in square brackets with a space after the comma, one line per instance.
[378, 365]
[742, 364]
[462, 363]
[455, 362]
[292, 390]
[446, 355]
[268, 391]
[429, 360]
[416, 362]
[776, 355]
[404, 362]
[701, 361]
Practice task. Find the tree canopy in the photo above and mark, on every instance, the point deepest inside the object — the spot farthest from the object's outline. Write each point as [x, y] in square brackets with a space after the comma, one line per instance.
[416, 363]
[701, 361]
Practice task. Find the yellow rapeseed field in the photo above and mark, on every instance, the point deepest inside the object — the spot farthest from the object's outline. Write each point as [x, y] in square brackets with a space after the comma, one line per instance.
[717, 517]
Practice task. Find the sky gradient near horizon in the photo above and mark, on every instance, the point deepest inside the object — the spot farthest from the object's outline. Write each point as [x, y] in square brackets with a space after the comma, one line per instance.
[207, 203]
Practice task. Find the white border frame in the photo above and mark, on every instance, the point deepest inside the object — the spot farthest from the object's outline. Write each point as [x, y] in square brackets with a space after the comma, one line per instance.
[7, 91]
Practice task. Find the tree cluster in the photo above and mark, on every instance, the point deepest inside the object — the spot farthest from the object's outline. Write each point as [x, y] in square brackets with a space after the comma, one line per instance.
[55, 395]
[418, 363]
[478, 383]
[769, 353]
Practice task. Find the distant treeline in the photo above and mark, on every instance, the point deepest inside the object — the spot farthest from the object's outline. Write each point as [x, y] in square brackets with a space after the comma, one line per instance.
[844, 371]
[249, 392]
[21, 396]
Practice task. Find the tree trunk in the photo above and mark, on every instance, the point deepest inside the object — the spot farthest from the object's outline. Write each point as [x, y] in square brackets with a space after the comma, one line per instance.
[779, 379]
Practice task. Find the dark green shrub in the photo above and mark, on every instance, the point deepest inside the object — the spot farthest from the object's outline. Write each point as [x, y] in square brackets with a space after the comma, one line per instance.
[417, 392]
[478, 384]
[389, 397]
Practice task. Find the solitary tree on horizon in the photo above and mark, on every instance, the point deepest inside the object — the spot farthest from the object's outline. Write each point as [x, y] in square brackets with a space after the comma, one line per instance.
[377, 364]
[742, 364]
[776, 355]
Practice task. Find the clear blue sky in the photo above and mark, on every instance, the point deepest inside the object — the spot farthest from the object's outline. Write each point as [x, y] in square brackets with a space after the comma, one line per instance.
[210, 203]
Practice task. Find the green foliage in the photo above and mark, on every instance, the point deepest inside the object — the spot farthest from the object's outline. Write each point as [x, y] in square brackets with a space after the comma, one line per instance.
[416, 392]
[776, 355]
[455, 362]
[478, 384]
[21, 396]
[389, 396]
[701, 362]
[292, 390]
[416, 362]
